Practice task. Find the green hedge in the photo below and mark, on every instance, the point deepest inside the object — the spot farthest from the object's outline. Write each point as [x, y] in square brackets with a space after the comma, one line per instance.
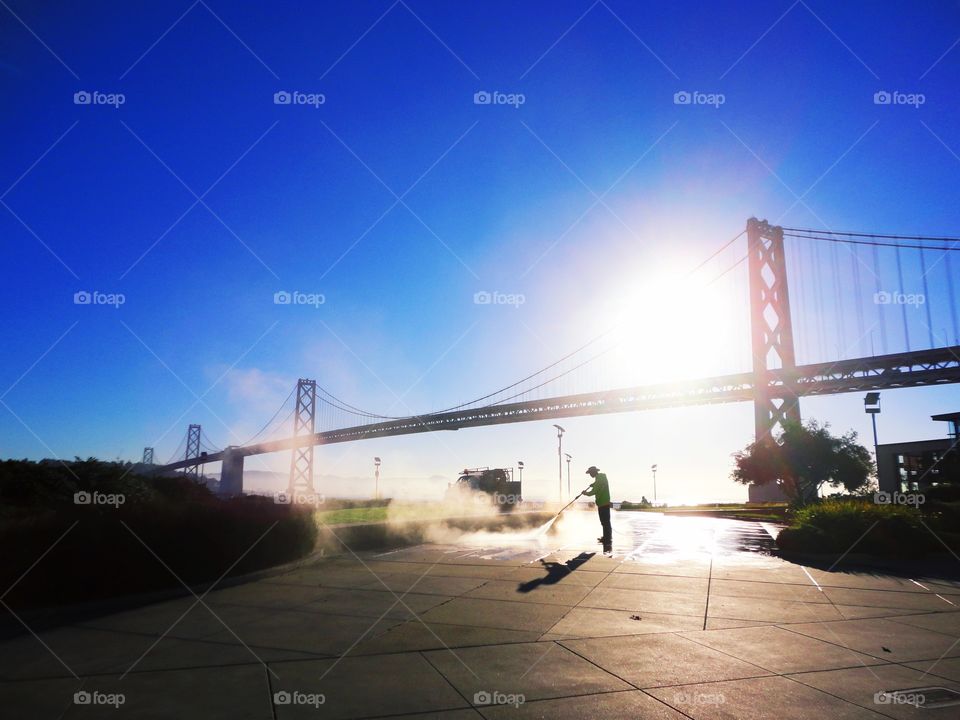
[862, 527]
[112, 550]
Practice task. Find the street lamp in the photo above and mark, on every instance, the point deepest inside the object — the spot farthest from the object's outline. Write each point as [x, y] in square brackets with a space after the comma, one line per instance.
[376, 465]
[560, 432]
[569, 458]
[653, 468]
[871, 406]
[520, 467]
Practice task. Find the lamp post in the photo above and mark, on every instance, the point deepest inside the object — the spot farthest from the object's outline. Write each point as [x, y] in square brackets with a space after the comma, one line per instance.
[653, 468]
[376, 471]
[560, 432]
[871, 406]
[569, 458]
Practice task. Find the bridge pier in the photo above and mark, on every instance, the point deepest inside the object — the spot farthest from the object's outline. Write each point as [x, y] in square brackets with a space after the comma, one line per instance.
[231, 473]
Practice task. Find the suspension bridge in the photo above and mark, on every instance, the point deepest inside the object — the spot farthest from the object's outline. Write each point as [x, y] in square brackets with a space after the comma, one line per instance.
[887, 300]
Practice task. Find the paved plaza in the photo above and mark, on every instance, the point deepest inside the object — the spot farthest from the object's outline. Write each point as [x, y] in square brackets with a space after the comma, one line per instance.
[691, 617]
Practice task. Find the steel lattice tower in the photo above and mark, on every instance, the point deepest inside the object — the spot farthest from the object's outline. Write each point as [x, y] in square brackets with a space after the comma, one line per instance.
[771, 331]
[193, 450]
[301, 462]
[147, 456]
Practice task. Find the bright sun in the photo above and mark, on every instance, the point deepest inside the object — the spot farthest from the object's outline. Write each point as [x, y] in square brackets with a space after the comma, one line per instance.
[672, 329]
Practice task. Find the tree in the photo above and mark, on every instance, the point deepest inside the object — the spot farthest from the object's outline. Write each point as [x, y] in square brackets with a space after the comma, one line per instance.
[802, 459]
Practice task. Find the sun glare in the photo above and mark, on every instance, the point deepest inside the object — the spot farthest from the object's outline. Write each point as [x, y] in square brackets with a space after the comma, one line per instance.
[672, 329]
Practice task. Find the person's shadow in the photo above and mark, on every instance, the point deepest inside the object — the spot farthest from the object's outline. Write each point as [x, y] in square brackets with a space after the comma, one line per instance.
[555, 572]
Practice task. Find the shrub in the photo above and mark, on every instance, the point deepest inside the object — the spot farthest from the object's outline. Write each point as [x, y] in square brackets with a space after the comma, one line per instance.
[838, 526]
[107, 550]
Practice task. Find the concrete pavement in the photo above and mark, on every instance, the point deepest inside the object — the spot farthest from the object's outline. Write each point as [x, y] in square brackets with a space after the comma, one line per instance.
[690, 618]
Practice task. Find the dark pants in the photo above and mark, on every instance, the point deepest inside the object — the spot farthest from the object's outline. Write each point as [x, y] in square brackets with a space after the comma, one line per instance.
[604, 513]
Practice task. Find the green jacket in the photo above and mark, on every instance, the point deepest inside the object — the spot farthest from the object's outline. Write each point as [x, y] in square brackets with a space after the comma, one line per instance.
[599, 490]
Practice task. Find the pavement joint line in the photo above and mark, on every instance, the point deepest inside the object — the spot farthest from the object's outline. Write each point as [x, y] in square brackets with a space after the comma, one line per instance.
[830, 694]
[449, 682]
[706, 608]
[862, 652]
[579, 602]
[916, 627]
[273, 706]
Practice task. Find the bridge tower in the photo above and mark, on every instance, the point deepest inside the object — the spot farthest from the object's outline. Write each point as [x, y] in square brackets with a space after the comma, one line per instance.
[775, 400]
[193, 451]
[301, 462]
[147, 456]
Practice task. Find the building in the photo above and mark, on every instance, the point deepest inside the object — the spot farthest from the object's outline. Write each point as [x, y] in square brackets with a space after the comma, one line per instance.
[915, 466]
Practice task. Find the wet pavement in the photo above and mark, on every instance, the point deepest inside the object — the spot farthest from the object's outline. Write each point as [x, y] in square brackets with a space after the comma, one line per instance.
[635, 535]
[691, 617]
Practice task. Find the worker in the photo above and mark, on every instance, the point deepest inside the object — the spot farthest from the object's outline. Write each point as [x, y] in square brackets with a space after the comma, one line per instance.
[600, 491]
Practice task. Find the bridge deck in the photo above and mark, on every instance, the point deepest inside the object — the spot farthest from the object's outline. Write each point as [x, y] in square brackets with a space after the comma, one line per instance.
[913, 369]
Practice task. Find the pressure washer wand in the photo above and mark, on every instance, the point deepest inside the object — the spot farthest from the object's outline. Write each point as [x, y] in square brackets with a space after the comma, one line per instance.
[550, 523]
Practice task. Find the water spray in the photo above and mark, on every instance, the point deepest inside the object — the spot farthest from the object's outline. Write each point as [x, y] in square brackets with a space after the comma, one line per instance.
[549, 524]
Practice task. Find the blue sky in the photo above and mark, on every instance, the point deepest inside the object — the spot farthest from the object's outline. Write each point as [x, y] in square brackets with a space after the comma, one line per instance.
[398, 198]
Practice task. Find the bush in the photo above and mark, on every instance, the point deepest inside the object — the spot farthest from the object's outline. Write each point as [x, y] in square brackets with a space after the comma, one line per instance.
[108, 551]
[861, 527]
